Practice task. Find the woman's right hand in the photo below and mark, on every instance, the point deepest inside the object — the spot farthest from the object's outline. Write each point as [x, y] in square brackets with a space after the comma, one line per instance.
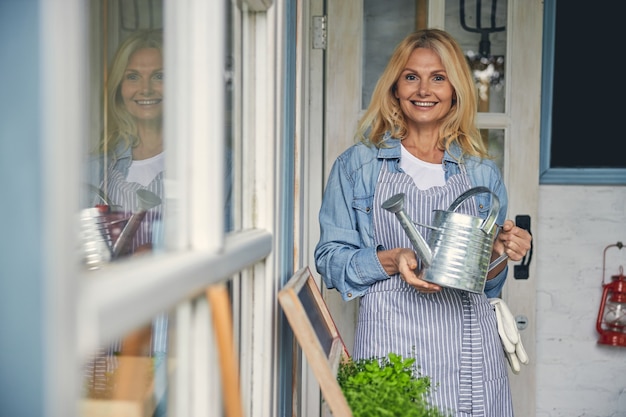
[404, 261]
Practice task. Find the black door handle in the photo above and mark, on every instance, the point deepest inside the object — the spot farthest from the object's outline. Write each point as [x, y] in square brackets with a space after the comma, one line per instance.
[521, 271]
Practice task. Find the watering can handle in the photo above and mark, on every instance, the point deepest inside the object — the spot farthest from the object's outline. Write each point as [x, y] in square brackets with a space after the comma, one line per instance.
[490, 220]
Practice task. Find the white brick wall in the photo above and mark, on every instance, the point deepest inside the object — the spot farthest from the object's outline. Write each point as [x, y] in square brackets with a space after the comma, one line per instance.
[575, 376]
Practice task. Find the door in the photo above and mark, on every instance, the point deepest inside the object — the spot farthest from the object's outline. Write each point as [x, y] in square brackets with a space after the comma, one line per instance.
[361, 35]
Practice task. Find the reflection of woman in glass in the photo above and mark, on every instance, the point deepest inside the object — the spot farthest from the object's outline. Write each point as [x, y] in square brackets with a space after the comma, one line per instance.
[128, 174]
[132, 146]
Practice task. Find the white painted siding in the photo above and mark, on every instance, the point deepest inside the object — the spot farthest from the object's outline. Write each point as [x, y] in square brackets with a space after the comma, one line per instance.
[575, 376]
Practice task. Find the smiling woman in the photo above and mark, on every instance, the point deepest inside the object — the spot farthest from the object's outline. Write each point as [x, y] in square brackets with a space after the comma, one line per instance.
[127, 172]
[418, 137]
[130, 153]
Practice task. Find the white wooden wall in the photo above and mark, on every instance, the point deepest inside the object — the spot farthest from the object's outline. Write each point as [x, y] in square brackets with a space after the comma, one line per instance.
[575, 376]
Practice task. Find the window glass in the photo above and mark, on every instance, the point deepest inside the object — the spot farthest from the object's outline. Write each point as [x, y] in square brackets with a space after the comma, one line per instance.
[124, 196]
[495, 143]
[131, 373]
[480, 28]
[128, 194]
[230, 114]
[569, 146]
[385, 24]
[124, 190]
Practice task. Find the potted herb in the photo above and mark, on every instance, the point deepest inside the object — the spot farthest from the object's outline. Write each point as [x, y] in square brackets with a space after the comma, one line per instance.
[385, 387]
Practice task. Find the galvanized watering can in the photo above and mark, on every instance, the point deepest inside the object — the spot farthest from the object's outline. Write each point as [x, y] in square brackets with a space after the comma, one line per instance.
[459, 248]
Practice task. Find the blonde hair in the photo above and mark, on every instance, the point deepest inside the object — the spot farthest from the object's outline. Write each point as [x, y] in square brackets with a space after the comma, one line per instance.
[121, 126]
[384, 114]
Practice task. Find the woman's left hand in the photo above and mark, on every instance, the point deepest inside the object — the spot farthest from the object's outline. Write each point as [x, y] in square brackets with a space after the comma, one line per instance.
[512, 240]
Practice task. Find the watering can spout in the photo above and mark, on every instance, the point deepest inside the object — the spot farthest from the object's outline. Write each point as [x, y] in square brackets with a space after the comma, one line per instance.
[395, 205]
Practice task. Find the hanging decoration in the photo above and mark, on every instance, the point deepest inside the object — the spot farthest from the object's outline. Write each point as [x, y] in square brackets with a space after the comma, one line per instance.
[611, 322]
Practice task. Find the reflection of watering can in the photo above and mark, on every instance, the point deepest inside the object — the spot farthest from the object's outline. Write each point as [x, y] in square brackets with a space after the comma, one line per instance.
[459, 247]
[98, 241]
[147, 200]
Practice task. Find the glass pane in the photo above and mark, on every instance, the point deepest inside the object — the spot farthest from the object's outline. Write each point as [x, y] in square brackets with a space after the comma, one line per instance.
[480, 28]
[124, 197]
[385, 24]
[495, 144]
[130, 376]
[230, 128]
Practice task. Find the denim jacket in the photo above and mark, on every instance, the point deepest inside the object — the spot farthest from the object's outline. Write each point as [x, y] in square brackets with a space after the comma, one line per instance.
[95, 172]
[345, 255]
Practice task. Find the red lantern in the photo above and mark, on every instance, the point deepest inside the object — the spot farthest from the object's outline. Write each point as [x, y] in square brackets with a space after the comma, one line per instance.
[611, 323]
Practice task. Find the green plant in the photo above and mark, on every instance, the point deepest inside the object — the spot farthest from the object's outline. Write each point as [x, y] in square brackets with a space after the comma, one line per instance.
[386, 387]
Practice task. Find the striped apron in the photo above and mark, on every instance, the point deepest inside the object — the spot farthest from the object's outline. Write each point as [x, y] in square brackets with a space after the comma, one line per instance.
[124, 194]
[452, 334]
[150, 231]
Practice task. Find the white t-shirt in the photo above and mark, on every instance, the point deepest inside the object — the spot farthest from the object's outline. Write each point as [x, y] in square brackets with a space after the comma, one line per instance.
[424, 174]
[146, 170]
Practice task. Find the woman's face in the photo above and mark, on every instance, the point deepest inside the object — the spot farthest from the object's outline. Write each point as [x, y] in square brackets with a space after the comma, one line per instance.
[423, 89]
[142, 85]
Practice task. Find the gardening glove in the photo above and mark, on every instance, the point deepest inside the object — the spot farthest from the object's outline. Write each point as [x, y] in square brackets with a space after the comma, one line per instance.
[509, 335]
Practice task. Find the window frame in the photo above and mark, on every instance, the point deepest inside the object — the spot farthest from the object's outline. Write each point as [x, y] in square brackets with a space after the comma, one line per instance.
[85, 309]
